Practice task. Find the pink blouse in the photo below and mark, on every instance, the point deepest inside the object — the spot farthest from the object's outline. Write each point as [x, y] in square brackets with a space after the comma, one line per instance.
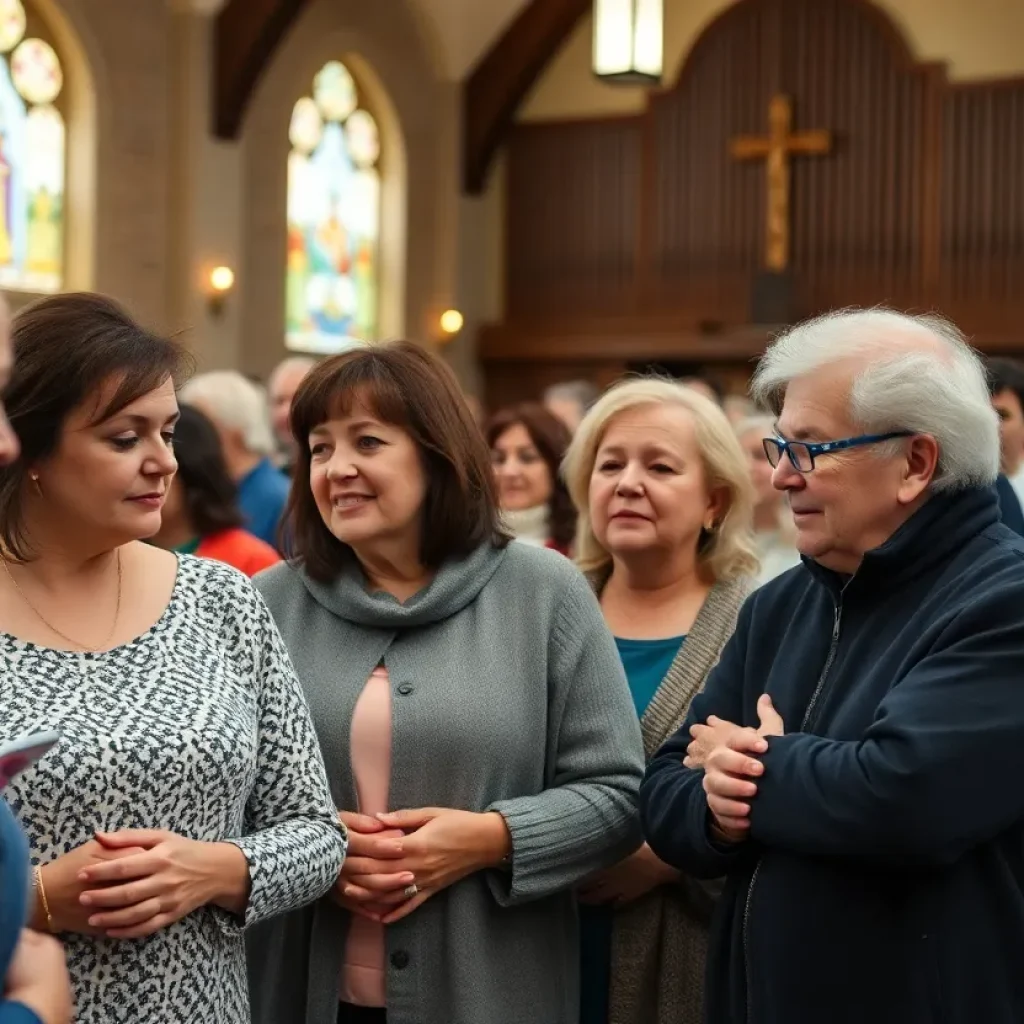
[363, 973]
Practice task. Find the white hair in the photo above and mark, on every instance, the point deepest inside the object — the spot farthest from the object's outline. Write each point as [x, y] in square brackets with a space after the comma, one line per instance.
[237, 404]
[918, 374]
[582, 392]
[291, 364]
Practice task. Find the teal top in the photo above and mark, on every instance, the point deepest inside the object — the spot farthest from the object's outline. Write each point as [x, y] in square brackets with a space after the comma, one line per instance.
[646, 663]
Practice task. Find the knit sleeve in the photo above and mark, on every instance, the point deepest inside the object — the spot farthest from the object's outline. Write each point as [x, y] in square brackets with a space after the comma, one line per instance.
[586, 819]
[294, 843]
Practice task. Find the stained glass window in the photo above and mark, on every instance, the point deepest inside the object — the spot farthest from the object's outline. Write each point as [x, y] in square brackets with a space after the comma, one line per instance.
[333, 217]
[32, 149]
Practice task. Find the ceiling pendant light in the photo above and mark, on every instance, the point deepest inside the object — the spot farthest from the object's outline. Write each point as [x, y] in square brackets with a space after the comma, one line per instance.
[628, 41]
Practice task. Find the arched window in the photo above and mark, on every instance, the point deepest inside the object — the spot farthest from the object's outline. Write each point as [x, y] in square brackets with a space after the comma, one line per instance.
[32, 151]
[333, 218]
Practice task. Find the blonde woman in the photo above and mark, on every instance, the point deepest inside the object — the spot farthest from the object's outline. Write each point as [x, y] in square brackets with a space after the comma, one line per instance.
[774, 532]
[664, 533]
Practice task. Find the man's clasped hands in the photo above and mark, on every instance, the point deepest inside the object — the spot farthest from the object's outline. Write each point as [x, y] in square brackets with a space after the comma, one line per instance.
[728, 755]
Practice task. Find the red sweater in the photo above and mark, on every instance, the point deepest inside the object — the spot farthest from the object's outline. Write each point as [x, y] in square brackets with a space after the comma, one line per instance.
[240, 549]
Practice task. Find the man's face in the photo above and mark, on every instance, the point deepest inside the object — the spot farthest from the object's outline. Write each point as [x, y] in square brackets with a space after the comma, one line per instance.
[1011, 429]
[850, 503]
[282, 390]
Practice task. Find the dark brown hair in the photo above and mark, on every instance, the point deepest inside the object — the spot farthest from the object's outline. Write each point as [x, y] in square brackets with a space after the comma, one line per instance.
[67, 349]
[405, 385]
[211, 496]
[551, 437]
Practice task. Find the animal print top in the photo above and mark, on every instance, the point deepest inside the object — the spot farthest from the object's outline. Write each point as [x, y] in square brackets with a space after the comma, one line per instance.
[198, 726]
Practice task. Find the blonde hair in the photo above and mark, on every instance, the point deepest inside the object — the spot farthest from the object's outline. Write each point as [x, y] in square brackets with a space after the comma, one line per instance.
[729, 550]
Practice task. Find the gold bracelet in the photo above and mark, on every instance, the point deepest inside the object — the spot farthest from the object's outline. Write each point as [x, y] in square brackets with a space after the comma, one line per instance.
[37, 878]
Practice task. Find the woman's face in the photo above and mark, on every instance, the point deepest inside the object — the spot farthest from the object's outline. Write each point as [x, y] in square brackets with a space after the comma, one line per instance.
[368, 481]
[760, 467]
[110, 479]
[648, 491]
[524, 480]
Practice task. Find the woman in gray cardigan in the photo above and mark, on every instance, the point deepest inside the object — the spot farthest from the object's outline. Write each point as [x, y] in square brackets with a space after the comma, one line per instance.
[664, 533]
[471, 707]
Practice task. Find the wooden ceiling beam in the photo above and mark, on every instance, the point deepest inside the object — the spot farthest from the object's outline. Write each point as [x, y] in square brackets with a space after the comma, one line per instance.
[504, 75]
[246, 34]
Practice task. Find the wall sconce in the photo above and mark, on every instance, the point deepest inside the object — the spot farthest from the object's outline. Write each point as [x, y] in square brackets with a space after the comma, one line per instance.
[222, 280]
[628, 41]
[451, 322]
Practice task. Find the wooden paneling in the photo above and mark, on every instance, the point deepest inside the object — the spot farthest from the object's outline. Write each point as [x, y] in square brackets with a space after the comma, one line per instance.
[573, 232]
[982, 218]
[636, 231]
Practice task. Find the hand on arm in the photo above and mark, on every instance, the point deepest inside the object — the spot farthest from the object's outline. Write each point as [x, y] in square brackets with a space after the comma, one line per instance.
[730, 767]
[63, 887]
[717, 732]
[165, 880]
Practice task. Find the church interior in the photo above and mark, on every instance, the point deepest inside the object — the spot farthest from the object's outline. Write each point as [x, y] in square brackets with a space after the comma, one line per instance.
[266, 176]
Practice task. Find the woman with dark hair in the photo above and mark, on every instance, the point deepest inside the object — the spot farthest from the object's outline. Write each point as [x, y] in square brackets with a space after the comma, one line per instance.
[33, 976]
[528, 444]
[201, 515]
[187, 797]
[472, 710]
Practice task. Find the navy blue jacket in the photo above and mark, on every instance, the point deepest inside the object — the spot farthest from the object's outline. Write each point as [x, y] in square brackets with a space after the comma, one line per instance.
[1009, 505]
[883, 880]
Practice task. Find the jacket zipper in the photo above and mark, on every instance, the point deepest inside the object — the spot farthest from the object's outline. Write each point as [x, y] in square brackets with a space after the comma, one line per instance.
[837, 618]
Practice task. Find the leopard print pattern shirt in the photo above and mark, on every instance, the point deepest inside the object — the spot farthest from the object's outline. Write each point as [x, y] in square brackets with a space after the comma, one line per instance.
[199, 727]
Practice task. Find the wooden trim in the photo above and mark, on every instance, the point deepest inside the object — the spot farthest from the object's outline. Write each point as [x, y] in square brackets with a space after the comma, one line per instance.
[506, 73]
[246, 34]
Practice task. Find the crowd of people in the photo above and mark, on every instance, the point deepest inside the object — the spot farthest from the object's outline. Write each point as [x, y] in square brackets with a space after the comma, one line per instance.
[638, 707]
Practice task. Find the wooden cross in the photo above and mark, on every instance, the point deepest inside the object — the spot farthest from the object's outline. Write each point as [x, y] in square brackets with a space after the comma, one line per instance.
[776, 149]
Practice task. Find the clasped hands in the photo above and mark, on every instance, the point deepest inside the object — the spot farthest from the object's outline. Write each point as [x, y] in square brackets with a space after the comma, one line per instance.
[132, 883]
[723, 749]
[397, 861]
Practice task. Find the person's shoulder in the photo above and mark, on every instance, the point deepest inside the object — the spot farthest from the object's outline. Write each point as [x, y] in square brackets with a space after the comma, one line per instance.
[533, 564]
[281, 575]
[212, 576]
[993, 562]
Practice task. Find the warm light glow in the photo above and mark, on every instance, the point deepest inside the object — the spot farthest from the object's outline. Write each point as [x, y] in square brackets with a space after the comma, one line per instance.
[451, 321]
[222, 279]
[628, 41]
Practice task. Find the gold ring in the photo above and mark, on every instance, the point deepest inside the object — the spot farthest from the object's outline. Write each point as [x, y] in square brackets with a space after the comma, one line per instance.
[411, 890]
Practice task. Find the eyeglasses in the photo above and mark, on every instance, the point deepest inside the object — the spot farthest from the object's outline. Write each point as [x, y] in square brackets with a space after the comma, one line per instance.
[803, 453]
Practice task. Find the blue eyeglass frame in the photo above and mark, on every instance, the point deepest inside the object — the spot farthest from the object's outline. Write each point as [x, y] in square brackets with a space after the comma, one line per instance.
[816, 448]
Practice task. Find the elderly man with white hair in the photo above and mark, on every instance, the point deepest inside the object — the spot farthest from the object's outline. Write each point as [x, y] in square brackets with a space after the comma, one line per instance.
[284, 381]
[238, 409]
[855, 766]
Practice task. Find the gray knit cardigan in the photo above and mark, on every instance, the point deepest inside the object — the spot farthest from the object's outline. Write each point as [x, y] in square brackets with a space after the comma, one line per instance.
[659, 942]
[508, 695]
